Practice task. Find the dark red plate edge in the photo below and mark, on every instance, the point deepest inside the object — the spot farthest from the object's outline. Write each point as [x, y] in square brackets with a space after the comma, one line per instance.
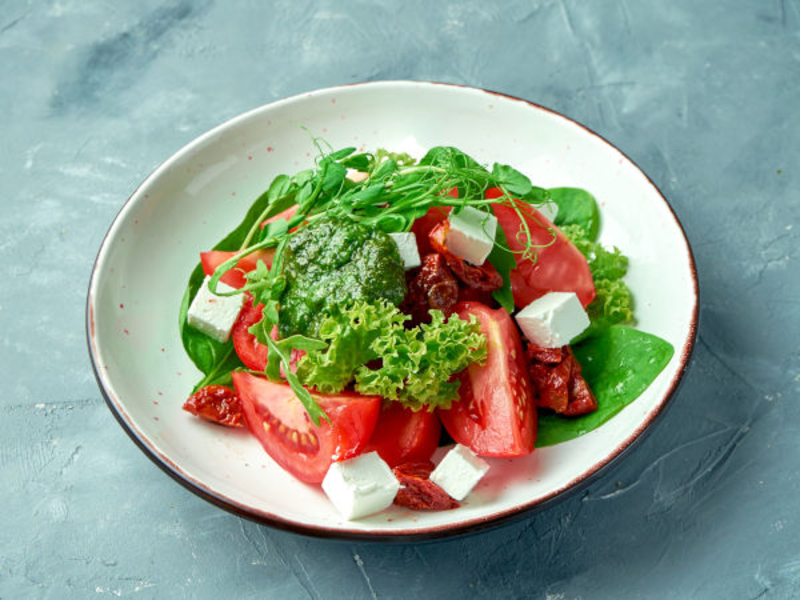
[432, 533]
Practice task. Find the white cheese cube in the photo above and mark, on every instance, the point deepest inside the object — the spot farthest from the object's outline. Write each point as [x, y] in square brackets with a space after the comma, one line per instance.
[360, 486]
[553, 320]
[215, 315]
[472, 234]
[549, 210]
[407, 246]
[460, 471]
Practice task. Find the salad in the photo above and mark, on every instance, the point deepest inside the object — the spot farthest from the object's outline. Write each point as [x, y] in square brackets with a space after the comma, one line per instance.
[374, 307]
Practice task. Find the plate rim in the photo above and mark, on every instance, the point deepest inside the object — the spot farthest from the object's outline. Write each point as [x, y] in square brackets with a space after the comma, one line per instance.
[438, 532]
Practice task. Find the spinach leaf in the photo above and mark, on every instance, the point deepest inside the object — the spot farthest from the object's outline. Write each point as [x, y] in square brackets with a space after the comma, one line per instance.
[618, 364]
[512, 180]
[505, 262]
[214, 358]
[449, 158]
[577, 207]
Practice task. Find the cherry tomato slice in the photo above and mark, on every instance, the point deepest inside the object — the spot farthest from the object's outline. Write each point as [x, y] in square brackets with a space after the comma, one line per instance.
[235, 277]
[251, 353]
[403, 435]
[276, 417]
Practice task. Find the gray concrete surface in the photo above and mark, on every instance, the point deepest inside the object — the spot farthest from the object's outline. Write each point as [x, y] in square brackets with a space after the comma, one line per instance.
[702, 95]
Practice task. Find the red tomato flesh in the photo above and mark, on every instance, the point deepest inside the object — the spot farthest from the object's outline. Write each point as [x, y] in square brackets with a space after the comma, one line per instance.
[235, 277]
[495, 415]
[276, 417]
[286, 214]
[558, 268]
[403, 435]
[251, 353]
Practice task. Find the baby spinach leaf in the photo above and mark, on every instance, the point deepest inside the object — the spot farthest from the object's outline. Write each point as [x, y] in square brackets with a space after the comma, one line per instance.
[618, 364]
[209, 355]
[205, 352]
[577, 207]
[512, 180]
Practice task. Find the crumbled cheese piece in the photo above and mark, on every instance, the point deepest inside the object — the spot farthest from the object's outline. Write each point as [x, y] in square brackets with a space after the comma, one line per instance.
[553, 320]
[460, 471]
[360, 486]
[407, 246]
[215, 315]
[472, 234]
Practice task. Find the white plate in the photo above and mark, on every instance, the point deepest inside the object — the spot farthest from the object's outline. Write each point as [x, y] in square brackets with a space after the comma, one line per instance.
[203, 191]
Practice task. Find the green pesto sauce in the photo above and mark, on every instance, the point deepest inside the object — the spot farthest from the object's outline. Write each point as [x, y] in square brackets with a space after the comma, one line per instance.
[334, 262]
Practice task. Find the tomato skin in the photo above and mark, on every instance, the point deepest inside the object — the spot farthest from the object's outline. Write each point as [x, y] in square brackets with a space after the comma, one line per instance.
[427, 222]
[558, 268]
[286, 214]
[216, 403]
[251, 353]
[235, 277]
[495, 415]
[402, 435]
[276, 417]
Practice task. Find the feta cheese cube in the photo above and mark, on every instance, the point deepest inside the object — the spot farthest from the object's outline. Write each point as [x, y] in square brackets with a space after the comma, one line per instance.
[407, 246]
[472, 234]
[553, 320]
[549, 209]
[360, 486]
[460, 471]
[215, 315]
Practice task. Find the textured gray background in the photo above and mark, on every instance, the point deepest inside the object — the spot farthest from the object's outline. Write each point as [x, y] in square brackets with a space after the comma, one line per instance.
[702, 95]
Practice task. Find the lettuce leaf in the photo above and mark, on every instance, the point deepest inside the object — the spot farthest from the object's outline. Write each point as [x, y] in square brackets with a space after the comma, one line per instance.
[613, 304]
[368, 345]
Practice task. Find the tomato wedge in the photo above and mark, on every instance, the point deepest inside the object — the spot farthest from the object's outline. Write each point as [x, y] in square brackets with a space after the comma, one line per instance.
[559, 267]
[235, 277]
[495, 415]
[403, 435]
[276, 417]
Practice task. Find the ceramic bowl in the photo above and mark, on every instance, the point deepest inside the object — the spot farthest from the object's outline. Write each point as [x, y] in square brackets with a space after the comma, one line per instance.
[199, 194]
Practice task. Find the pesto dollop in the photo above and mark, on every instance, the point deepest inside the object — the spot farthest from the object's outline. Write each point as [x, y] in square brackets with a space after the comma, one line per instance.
[333, 262]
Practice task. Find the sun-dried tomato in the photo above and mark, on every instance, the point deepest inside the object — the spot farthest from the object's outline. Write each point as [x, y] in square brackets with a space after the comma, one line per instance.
[551, 356]
[433, 287]
[216, 403]
[484, 277]
[418, 492]
[552, 384]
[560, 386]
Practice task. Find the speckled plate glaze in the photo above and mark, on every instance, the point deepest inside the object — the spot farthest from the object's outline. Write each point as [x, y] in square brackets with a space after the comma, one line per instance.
[202, 192]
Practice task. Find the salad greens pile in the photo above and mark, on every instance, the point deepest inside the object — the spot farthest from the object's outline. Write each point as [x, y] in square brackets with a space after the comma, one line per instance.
[364, 333]
[354, 335]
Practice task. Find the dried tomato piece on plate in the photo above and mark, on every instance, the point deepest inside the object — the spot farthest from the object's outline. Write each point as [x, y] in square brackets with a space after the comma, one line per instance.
[216, 403]
[560, 386]
[418, 492]
[433, 287]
